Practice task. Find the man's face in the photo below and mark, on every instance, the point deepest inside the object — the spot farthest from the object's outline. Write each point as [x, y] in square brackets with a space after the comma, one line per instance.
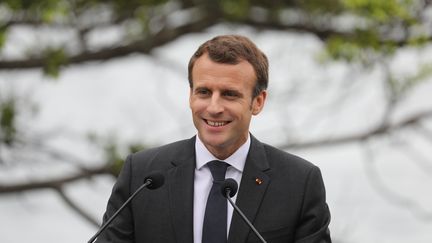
[222, 105]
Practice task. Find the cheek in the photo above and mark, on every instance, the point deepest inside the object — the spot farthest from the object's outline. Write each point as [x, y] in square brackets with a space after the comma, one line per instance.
[196, 106]
[243, 113]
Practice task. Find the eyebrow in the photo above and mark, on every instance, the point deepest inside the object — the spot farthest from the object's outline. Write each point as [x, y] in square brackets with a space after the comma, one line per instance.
[200, 88]
[228, 89]
[236, 92]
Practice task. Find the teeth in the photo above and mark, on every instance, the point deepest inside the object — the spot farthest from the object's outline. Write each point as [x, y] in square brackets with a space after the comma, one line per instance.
[216, 124]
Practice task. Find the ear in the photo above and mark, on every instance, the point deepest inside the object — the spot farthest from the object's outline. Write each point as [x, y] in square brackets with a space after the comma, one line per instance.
[258, 102]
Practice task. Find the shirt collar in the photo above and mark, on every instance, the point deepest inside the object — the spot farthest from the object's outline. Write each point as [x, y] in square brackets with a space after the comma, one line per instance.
[236, 160]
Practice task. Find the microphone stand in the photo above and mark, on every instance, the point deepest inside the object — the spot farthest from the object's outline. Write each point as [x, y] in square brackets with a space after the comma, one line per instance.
[148, 182]
[237, 209]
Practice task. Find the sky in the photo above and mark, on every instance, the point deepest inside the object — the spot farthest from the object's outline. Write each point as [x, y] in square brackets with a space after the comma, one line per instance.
[145, 99]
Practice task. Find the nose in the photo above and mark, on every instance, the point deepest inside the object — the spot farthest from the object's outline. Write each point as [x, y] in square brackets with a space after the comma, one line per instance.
[215, 106]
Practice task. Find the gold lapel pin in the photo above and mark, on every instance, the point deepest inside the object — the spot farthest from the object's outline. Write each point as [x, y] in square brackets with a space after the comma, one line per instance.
[258, 181]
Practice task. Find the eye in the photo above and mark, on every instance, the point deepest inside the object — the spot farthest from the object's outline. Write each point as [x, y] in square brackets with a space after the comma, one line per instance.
[202, 91]
[231, 94]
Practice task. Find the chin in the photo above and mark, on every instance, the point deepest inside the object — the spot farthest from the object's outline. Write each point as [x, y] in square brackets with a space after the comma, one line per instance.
[214, 141]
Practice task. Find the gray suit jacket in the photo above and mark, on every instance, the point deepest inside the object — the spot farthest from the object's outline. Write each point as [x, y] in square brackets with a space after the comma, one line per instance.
[288, 206]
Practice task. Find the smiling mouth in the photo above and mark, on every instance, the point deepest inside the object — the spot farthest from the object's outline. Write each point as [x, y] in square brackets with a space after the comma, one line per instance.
[216, 123]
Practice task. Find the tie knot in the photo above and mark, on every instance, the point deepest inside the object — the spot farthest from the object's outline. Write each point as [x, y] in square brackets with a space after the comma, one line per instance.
[218, 169]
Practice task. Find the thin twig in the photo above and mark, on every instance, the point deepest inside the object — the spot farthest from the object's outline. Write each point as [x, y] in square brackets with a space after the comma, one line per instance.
[76, 208]
[387, 192]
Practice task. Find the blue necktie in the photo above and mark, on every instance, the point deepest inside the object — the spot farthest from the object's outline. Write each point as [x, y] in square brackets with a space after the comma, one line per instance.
[215, 219]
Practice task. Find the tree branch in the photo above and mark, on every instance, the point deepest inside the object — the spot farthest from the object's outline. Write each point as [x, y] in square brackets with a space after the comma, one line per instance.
[320, 32]
[54, 183]
[390, 195]
[212, 17]
[76, 208]
[361, 136]
[144, 46]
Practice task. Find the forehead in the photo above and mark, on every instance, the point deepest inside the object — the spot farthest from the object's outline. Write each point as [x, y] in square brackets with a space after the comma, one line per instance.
[207, 71]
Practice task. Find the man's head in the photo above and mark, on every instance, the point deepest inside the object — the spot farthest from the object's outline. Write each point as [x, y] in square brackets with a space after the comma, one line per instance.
[225, 93]
[231, 49]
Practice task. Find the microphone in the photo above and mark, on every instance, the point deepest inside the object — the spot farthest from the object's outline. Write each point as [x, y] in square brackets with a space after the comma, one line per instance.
[229, 189]
[153, 181]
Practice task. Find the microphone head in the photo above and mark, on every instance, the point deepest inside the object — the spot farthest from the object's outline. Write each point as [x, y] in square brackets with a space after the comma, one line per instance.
[229, 185]
[156, 180]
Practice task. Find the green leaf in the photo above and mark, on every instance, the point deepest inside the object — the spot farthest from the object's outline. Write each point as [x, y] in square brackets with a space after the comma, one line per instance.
[54, 59]
[381, 10]
[235, 9]
[339, 48]
[425, 71]
[7, 122]
[3, 36]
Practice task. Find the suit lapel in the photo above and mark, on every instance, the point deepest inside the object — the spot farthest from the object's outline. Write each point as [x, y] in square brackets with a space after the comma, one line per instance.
[181, 184]
[253, 185]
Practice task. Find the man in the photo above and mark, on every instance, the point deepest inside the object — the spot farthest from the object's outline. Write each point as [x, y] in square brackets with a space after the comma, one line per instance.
[281, 194]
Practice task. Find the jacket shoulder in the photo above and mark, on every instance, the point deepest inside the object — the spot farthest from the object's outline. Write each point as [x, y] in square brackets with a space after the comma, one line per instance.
[162, 156]
[284, 160]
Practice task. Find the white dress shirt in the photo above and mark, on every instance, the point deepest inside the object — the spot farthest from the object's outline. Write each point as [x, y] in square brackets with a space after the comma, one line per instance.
[203, 181]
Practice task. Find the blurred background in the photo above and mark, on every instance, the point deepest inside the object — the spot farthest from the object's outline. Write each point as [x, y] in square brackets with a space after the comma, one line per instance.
[84, 83]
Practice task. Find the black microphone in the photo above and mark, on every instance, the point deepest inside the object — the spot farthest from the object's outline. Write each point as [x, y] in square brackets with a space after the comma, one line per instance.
[152, 181]
[229, 189]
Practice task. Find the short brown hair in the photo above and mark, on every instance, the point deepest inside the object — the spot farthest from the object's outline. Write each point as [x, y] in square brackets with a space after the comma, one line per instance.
[232, 49]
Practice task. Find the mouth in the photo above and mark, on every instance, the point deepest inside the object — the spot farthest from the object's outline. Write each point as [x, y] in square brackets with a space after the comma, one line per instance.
[216, 123]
